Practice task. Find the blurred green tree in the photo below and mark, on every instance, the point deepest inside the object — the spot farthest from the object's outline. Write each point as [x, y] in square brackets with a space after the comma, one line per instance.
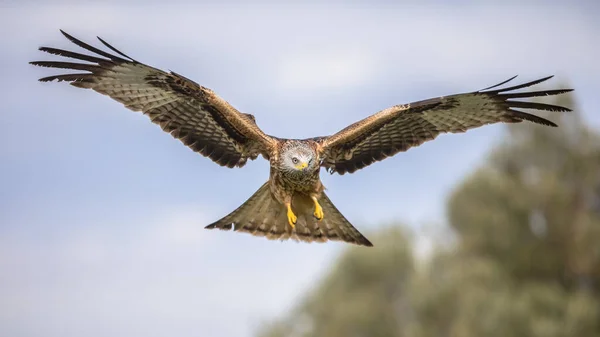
[365, 293]
[526, 261]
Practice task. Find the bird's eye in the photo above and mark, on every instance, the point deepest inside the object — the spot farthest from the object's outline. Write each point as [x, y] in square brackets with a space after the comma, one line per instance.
[295, 160]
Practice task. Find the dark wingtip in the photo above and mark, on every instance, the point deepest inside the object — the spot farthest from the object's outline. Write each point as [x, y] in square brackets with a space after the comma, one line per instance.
[519, 115]
[67, 35]
[367, 243]
[519, 86]
[43, 79]
[217, 225]
[115, 49]
[499, 84]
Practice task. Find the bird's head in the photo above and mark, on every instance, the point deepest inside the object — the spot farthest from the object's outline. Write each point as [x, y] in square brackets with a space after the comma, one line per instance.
[299, 157]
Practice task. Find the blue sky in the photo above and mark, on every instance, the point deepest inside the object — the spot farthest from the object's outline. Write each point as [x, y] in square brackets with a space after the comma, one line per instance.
[102, 214]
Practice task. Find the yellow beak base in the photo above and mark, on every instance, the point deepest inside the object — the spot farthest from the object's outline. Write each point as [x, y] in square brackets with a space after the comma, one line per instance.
[301, 166]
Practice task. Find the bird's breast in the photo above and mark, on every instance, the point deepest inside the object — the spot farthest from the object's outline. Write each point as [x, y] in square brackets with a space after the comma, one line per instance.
[301, 181]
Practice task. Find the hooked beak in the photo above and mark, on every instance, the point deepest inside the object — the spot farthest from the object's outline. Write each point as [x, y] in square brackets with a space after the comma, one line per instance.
[302, 166]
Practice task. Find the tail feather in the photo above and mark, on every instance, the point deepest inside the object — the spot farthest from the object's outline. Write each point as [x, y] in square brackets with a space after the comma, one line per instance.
[262, 215]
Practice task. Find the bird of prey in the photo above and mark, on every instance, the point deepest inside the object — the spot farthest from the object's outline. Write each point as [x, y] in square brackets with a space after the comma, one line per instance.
[292, 203]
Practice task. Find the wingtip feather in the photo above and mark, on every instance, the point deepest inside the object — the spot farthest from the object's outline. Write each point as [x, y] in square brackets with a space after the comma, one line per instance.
[67, 35]
[499, 84]
[109, 46]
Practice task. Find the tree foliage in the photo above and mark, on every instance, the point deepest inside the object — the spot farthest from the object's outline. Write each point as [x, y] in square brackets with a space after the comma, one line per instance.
[526, 261]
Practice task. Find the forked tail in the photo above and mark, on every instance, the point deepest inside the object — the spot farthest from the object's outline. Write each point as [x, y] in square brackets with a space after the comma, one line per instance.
[262, 215]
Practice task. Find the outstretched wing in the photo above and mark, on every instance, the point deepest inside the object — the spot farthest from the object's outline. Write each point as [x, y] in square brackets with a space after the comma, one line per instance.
[189, 112]
[401, 127]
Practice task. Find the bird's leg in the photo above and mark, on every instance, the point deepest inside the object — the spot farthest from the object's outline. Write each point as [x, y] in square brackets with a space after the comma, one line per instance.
[290, 215]
[318, 209]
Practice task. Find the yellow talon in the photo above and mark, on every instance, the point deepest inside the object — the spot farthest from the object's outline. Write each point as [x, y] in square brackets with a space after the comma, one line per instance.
[291, 216]
[318, 210]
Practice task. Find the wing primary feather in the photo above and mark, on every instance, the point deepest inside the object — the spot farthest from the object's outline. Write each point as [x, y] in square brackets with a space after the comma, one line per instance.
[499, 84]
[520, 86]
[536, 93]
[92, 49]
[532, 118]
[536, 106]
[68, 65]
[74, 55]
[69, 77]
[115, 49]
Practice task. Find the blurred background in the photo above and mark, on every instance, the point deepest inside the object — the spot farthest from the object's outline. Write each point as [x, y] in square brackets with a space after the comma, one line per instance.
[495, 232]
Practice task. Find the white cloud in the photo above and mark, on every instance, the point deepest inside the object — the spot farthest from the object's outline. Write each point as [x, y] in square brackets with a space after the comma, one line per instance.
[317, 70]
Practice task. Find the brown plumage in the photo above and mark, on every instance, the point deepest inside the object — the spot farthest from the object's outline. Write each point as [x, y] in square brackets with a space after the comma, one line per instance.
[189, 112]
[292, 203]
[263, 215]
[401, 127]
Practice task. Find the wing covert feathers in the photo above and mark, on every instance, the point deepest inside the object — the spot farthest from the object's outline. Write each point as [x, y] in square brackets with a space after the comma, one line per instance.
[191, 113]
[262, 215]
[401, 127]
